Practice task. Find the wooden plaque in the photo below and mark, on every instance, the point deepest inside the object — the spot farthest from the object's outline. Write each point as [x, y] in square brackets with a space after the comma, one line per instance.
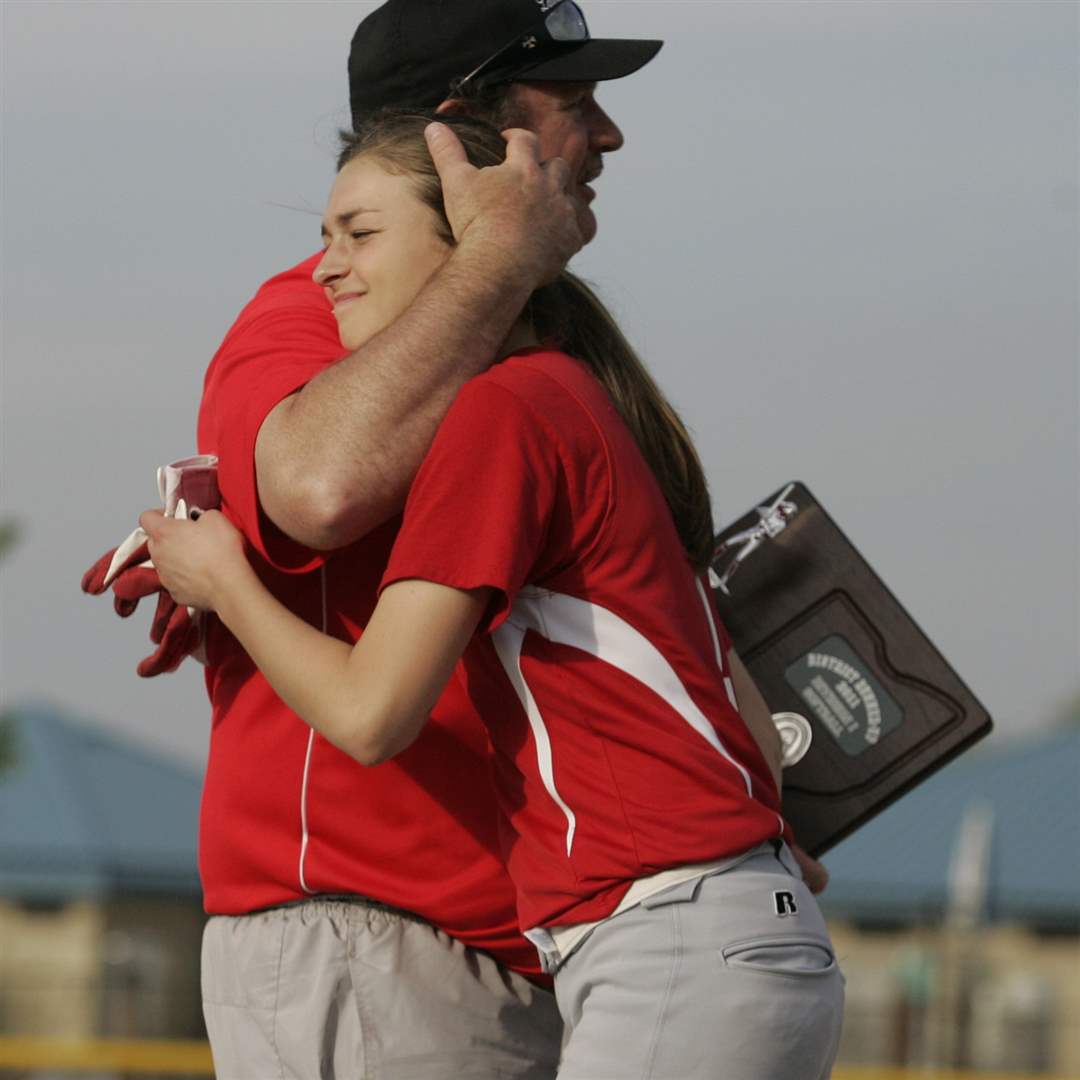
[865, 703]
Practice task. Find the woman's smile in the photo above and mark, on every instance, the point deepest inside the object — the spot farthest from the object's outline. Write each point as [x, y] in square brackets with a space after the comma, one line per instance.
[339, 300]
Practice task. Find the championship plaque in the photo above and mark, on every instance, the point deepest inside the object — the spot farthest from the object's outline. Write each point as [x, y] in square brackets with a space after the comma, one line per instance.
[865, 704]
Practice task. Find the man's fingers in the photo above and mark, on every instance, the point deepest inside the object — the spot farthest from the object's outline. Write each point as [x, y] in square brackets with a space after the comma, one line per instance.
[521, 145]
[446, 151]
[559, 171]
[524, 210]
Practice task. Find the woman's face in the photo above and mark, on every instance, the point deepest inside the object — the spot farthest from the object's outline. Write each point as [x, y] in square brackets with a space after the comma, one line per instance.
[381, 247]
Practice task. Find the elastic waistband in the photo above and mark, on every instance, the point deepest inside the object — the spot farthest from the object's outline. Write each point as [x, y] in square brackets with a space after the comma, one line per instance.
[350, 899]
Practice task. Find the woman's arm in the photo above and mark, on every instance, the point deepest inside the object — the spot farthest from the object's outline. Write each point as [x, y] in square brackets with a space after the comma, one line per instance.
[756, 716]
[370, 699]
[755, 713]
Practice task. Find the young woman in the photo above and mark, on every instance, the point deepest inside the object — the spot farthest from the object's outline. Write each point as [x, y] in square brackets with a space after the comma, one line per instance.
[555, 542]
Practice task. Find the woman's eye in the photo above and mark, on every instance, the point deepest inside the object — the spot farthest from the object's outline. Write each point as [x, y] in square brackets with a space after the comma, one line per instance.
[360, 234]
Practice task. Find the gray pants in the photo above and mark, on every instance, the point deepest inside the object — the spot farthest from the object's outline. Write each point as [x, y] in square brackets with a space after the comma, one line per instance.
[337, 990]
[728, 977]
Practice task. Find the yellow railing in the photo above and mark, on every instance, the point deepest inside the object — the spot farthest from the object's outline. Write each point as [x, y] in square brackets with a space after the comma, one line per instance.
[148, 1056]
[865, 1072]
[192, 1058]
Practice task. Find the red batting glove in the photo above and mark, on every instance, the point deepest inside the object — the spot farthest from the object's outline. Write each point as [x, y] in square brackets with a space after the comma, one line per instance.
[127, 555]
[131, 586]
[177, 634]
[176, 631]
[128, 570]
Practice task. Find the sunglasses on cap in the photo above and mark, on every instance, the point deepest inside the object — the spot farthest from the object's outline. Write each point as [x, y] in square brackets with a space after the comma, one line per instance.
[563, 22]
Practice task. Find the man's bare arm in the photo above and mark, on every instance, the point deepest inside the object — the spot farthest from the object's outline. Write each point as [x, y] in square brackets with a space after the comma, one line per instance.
[335, 460]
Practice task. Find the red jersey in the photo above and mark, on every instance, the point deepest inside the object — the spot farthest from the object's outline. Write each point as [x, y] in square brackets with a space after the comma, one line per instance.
[600, 668]
[285, 815]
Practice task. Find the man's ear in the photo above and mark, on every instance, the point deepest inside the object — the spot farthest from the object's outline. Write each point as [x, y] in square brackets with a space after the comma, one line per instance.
[454, 107]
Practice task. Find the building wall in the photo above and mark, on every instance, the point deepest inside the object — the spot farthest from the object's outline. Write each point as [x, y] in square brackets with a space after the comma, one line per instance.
[150, 972]
[50, 959]
[124, 967]
[1003, 998]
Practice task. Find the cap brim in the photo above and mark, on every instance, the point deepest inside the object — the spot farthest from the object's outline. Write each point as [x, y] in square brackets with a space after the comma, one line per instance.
[596, 60]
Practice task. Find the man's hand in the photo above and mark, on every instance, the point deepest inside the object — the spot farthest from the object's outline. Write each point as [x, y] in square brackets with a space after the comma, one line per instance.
[335, 460]
[520, 212]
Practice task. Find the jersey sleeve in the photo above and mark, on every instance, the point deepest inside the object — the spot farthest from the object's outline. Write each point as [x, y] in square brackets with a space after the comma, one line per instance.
[479, 510]
[271, 352]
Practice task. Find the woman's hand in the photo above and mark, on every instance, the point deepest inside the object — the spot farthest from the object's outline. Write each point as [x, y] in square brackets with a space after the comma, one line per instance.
[814, 873]
[196, 560]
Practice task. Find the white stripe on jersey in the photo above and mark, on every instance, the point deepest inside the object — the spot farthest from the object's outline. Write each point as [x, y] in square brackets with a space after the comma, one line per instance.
[508, 640]
[729, 686]
[567, 620]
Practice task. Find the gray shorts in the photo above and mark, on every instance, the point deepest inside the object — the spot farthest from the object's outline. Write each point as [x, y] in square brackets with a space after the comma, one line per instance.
[727, 977]
[338, 990]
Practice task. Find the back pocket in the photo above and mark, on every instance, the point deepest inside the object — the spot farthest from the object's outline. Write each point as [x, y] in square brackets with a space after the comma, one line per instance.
[781, 954]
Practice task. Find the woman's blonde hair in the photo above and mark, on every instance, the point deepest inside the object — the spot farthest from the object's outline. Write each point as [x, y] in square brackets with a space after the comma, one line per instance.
[566, 314]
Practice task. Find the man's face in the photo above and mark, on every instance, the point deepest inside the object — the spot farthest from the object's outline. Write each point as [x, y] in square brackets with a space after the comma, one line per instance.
[570, 124]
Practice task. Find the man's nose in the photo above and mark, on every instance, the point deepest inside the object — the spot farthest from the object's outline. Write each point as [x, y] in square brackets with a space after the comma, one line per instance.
[604, 134]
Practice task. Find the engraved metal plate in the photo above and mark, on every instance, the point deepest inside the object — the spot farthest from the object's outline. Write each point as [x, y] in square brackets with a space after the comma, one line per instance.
[840, 689]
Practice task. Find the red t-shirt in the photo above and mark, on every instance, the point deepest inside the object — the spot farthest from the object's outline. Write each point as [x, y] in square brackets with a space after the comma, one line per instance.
[600, 666]
[286, 815]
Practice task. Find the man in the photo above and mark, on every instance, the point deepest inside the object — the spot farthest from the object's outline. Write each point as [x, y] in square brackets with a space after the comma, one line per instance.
[362, 921]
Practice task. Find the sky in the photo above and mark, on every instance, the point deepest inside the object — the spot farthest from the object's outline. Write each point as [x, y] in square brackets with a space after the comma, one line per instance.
[844, 235]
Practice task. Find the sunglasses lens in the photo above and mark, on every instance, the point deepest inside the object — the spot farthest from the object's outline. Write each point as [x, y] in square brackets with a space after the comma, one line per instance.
[567, 23]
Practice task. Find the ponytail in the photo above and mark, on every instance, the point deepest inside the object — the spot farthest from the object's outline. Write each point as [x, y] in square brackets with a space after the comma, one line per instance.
[569, 314]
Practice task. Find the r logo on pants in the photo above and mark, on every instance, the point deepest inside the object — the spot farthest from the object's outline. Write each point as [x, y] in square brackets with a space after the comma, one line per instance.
[784, 903]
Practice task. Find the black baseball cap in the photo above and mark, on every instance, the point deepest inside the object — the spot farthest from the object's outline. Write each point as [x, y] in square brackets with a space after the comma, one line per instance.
[415, 53]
